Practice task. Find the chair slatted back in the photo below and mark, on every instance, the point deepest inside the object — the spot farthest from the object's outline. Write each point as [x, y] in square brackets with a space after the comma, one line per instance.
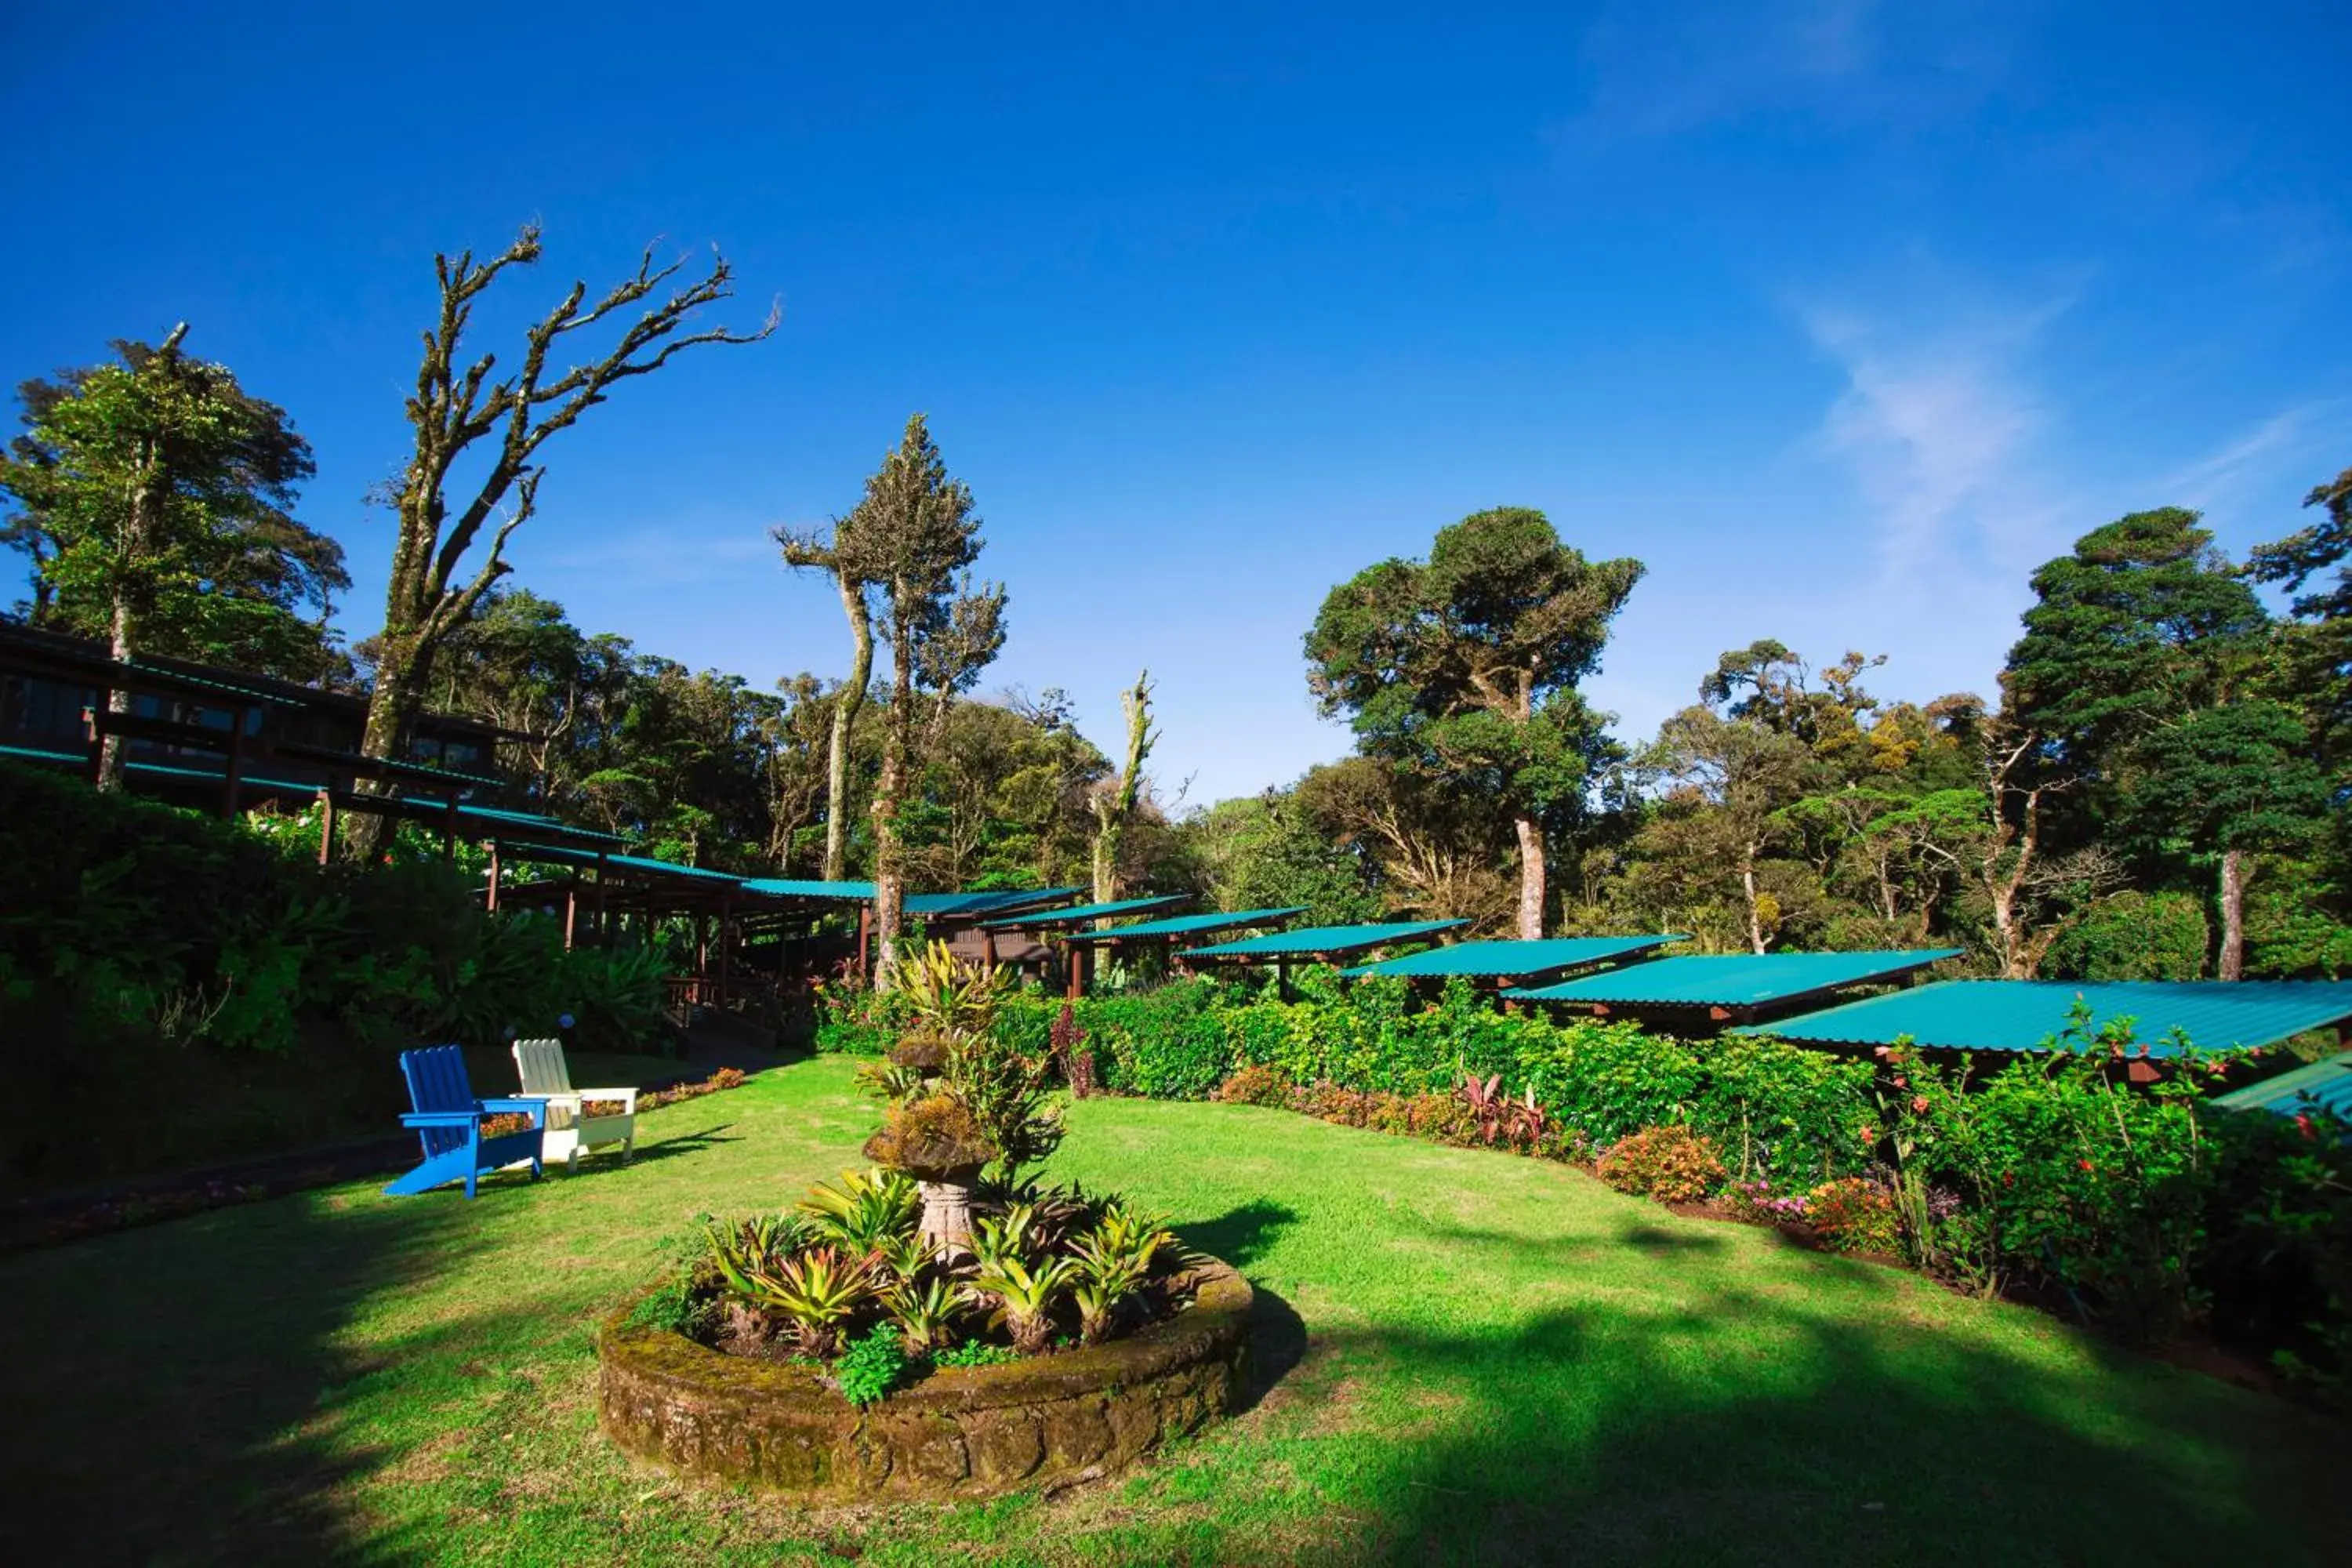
[542, 1067]
[437, 1081]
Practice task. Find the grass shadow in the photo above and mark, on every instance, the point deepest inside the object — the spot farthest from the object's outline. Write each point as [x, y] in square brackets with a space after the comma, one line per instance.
[608, 1162]
[1242, 1234]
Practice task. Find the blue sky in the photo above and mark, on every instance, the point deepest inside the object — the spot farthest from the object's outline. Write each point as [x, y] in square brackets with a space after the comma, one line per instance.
[1841, 316]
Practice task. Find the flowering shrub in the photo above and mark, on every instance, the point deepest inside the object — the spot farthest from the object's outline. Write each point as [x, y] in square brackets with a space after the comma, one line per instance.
[1254, 1085]
[1853, 1214]
[1669, 1163]
[1758, 1203]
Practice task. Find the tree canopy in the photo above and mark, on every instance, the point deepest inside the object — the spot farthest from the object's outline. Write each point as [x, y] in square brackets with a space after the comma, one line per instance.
[1464, 667]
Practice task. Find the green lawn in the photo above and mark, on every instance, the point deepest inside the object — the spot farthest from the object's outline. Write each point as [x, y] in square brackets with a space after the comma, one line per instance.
[1480, 1359]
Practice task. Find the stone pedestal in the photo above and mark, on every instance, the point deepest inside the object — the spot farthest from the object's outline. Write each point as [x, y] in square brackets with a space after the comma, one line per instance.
[946, 1226]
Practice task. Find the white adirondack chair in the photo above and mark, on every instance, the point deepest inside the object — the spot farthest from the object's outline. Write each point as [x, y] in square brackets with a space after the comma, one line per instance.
[570, 1134]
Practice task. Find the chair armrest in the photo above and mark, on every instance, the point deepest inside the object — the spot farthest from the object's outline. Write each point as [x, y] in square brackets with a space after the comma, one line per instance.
[534, 1106]
[439, 1118]
[628, 1096]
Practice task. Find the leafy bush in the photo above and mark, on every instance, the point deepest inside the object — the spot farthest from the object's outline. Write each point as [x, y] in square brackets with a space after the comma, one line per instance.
[974, 1352]
[871, 1367]
[2060, 1172]
[1669, 1163]
[2134, 936]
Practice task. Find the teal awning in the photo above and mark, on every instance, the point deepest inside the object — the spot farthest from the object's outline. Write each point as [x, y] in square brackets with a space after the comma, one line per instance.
[1080, 913]
[2321, 1085]
[1512, 959]
[1186, 925]
[1734, 980]
[2029, 1015]
[1319, 942]
[971, 904]
[787, 887]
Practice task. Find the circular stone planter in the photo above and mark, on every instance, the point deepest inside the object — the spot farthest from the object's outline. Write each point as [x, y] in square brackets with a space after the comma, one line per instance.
[962, 1432]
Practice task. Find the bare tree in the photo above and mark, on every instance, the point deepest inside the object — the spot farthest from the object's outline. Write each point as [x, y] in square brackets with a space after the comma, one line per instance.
[835, 551]
[1114, 800]
[455, 409]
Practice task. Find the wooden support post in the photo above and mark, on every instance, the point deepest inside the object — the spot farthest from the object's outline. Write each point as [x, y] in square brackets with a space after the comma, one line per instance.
[987, 948]
[571, 910]
[865, 944]
[726, 969]
[233, 770]
[1282, 978]
[604, 935]
[326, 826]
[492, 906]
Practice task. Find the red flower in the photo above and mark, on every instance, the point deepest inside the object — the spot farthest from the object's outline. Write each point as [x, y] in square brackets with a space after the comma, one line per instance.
[2086, 1164]
[1902, 1082]
[2303, 1122]
[1919, 1103]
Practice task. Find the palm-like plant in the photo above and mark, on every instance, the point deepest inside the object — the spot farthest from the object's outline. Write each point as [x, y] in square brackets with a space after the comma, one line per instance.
[905, 1258]
[819, 1290]
[1024, 1293]
[1115, 1262]
[753, 1246]
[1012, 1236]
[948, 995]
[925, 1313]
[864, 1210]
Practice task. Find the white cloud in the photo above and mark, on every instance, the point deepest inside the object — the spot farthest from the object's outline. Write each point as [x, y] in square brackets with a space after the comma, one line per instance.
[1659, 70]
[2289, 438]
[1938, 427]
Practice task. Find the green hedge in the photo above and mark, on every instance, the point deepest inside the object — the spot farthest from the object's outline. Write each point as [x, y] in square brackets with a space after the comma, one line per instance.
[1778, 1112]
[142, 944]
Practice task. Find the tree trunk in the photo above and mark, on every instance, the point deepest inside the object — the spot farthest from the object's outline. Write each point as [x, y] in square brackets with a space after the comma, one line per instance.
[1747, 887]
[392, 710]
[2233, 915]
[1114, 808]
[125, 644]
[845, 718]
[1531, 876]
[1108, 834]
[890, 886]
[125, 633]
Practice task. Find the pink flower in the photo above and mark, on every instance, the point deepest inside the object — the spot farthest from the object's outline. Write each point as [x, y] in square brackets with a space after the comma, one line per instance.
[1919, 1103]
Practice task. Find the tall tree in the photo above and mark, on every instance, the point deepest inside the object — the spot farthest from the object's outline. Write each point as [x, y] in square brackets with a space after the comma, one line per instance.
[1114, 803]
[1747, 772]
[457, 408]
[2142, 629]
[157, 498]
[1466, 667]
[917, 533]
[839, 551]
[2315, 657]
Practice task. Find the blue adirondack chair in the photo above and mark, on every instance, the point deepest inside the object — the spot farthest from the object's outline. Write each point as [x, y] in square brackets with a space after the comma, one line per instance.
[448, 1118]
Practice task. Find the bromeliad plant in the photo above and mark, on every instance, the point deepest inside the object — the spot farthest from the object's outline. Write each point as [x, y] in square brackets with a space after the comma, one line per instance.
[866, 1209]
[1046, 1263]
[1024, 1295]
